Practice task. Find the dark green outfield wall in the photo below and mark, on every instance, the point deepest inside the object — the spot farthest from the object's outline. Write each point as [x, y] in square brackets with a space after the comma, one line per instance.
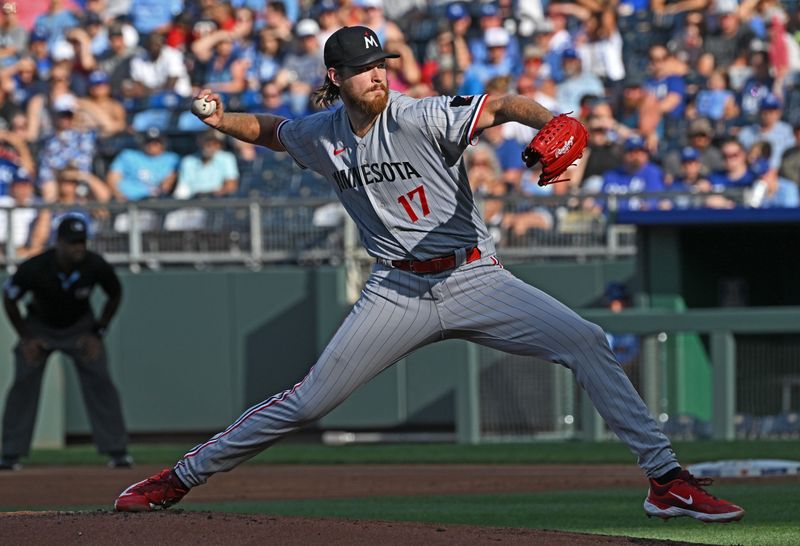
[190, 350]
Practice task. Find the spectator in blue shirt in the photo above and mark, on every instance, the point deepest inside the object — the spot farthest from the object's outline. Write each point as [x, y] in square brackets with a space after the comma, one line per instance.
[667, 92]
[692, 180]
[737, 173]
[145, 173]
[756, 87]
[770, 129]
[718, 102]
[777, 192]
[636, 175]
[55, 22]
[272, 102]
[154, 15]
[497, 63]
[67, 146]
[577, 83]
[212, 173]
[264, 62]
[224, 70]
[489, 17]
[306, 63]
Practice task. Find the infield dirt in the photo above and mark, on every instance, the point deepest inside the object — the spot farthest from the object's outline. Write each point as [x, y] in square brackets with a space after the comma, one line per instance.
[43, 488]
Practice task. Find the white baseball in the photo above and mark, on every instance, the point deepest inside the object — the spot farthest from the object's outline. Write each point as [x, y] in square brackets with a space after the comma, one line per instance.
[202, 107]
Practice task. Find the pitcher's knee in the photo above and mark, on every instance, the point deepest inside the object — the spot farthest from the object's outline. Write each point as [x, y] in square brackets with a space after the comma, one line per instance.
[587, 339]
[305, 414]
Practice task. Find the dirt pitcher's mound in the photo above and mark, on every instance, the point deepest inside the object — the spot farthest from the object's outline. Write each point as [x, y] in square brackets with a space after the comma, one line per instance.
[175, 528]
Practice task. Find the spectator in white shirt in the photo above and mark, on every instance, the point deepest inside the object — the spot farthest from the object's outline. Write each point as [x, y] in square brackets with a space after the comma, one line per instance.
[159, 68]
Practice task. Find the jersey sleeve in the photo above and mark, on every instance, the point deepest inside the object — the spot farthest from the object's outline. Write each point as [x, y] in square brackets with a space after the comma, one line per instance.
[451, 122]
[19, 283]
[301, 138]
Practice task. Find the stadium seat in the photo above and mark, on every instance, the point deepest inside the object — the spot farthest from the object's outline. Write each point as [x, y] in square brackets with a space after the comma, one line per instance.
[151, 118]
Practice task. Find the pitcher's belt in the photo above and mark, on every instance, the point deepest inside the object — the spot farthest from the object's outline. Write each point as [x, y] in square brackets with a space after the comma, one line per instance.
[434, 265]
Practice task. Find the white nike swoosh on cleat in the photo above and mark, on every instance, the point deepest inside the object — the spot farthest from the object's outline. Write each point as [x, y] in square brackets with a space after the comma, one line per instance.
[687, 501]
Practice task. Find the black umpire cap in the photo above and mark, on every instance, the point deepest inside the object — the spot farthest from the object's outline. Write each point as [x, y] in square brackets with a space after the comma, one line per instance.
[73, 229]
[354, 46]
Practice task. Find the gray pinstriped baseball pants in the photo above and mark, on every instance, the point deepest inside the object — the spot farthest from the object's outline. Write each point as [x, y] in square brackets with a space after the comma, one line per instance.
[399, 312]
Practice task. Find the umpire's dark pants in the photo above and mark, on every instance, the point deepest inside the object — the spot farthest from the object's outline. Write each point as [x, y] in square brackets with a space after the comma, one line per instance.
[99, 393]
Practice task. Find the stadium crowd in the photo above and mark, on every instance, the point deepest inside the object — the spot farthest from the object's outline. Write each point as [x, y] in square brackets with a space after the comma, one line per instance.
[693, 97]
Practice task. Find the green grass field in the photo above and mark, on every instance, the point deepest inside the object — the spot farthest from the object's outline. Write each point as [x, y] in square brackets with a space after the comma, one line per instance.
[773, 516]
[531, 453]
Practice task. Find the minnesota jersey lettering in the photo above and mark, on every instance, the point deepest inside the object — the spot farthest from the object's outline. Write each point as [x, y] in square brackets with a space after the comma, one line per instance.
[375, 172]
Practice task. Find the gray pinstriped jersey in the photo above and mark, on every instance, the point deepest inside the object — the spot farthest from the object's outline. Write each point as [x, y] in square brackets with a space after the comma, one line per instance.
[404, 183]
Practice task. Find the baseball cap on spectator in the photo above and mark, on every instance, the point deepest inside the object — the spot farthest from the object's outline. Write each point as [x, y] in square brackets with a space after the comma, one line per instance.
[689, 154]
[770, 102]
[65, 104]
[153, 133]
[496, 37]
[22, 176]
[633, 143]
[306, 27]
[98, 77]
[369, 4]
[701, 126]
[532, 51]
[543, 27]
[327, 6]
[92, 18]
[212, 135]
[115, 30]
[38, 34]
[456, 11]
[488, 10]
[569, 53]
[62, 51]
[725, 7]
[72, 229]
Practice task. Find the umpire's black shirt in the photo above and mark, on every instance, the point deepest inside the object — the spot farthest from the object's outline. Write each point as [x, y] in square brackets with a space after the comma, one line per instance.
[61, 299]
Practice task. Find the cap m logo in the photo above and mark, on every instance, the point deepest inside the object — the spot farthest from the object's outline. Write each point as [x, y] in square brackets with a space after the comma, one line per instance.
[370, 41]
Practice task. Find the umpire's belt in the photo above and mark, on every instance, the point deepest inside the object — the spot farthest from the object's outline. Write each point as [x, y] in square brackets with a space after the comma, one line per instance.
[434, 265]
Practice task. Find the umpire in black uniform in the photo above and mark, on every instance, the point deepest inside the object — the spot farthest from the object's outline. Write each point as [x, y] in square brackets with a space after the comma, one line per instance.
[60, 318]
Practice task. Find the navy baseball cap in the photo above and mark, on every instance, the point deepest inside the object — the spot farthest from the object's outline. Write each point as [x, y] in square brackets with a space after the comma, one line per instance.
[73, 229]
[569, 53]
[98, 77]
[153, 133]
[488, 10]
[689, 154]
[634, 143]
[770, 102]
[22, 176]
[38, 34]
[327, 6]
[456, 11]
[354, 46]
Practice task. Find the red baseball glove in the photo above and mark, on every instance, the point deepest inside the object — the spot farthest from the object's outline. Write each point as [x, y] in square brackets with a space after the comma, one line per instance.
[557, 146]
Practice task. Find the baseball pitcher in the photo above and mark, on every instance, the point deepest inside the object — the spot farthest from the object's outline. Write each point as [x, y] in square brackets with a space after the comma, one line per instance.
[396, 164]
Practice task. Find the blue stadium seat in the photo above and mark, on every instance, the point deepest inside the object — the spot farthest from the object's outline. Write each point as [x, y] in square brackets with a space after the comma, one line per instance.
[151, 118]
[190, 123]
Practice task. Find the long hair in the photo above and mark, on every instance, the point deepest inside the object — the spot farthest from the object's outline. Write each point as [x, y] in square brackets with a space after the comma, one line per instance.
[326, 94]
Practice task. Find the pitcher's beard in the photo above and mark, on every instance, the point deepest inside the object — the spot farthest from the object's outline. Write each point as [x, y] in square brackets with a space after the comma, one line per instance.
[372, 107]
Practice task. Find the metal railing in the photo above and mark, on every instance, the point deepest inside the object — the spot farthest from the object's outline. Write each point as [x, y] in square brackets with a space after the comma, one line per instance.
[572, 413]
[254, 232]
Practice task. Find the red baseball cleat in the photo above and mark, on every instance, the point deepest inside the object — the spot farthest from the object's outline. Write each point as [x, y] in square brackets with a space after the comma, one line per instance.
[685, 496]
[159, 491]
